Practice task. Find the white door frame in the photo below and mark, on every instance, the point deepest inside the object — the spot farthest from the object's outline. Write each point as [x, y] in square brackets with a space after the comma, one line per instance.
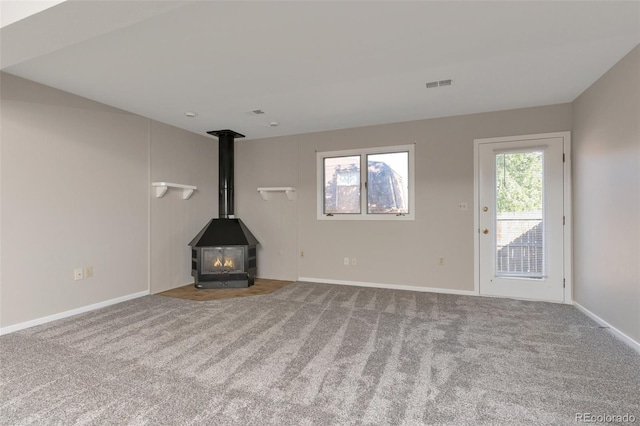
[567, 235]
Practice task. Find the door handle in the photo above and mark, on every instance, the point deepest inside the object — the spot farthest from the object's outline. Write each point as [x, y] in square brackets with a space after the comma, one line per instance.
[485, 231]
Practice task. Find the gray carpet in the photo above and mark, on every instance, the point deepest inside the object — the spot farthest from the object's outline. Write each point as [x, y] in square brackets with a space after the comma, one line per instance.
[314, 354]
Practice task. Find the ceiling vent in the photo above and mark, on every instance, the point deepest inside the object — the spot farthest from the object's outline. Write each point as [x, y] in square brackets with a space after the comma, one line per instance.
[257, 111]
[432, 84]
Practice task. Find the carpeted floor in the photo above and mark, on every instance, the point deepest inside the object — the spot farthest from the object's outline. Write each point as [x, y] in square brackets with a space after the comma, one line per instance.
[316, 354]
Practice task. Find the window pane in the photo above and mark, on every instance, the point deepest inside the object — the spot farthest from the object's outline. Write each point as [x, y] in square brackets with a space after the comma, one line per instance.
[520, 238]
[388, 183]
[342, 184]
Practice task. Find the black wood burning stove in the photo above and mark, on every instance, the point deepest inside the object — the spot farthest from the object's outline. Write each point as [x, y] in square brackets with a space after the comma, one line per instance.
[223, 254]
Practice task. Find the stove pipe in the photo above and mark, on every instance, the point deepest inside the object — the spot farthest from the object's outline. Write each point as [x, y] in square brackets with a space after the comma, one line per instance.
[225, 172]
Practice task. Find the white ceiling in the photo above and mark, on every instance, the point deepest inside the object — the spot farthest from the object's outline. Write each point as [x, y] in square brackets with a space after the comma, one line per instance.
[13, 10]
[315, 66]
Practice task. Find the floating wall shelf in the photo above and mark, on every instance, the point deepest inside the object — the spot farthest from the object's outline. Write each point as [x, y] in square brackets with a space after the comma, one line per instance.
[161, 189]
[288, 190]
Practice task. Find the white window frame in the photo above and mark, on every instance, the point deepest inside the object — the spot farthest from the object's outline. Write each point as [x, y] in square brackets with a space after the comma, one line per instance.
[363, 152]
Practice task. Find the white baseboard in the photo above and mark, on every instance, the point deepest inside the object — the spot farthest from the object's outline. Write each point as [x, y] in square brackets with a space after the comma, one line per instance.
[54, 317]
[390, 286]
[619, 334]
[172, 288]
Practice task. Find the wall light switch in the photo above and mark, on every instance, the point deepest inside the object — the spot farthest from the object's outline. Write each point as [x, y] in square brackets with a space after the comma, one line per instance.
[88, 271]
[346, 261]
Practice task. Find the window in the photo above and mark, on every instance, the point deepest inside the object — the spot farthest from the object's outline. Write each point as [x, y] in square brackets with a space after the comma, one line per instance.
[342, 185]
[366, 184]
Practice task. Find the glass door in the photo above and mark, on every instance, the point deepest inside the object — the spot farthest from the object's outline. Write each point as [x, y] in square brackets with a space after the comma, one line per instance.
[521, 190]
[219, 260]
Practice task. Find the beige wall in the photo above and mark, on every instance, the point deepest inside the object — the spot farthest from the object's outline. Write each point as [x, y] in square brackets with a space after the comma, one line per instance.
[270, 163]
[179, 157]
[606, 188]
[388, 252]
[74, 192]
[75, 185]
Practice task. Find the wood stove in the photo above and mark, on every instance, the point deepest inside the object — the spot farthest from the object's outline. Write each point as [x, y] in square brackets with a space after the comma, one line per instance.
[223, 254]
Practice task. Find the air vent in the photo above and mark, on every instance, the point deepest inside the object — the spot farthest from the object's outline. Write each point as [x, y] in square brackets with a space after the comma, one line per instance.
[441, 83]
[257, 111]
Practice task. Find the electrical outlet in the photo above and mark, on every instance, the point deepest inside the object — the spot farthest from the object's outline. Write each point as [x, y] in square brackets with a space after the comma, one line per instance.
[78, 274]
[88, 271]
[346, 261]
[354, 261]
[441, 261]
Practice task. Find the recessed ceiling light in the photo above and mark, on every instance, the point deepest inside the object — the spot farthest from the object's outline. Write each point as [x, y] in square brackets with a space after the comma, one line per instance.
[274, 124]
[190, 114]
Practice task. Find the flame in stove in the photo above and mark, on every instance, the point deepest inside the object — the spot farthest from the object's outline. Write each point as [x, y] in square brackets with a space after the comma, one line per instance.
[228, 263]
